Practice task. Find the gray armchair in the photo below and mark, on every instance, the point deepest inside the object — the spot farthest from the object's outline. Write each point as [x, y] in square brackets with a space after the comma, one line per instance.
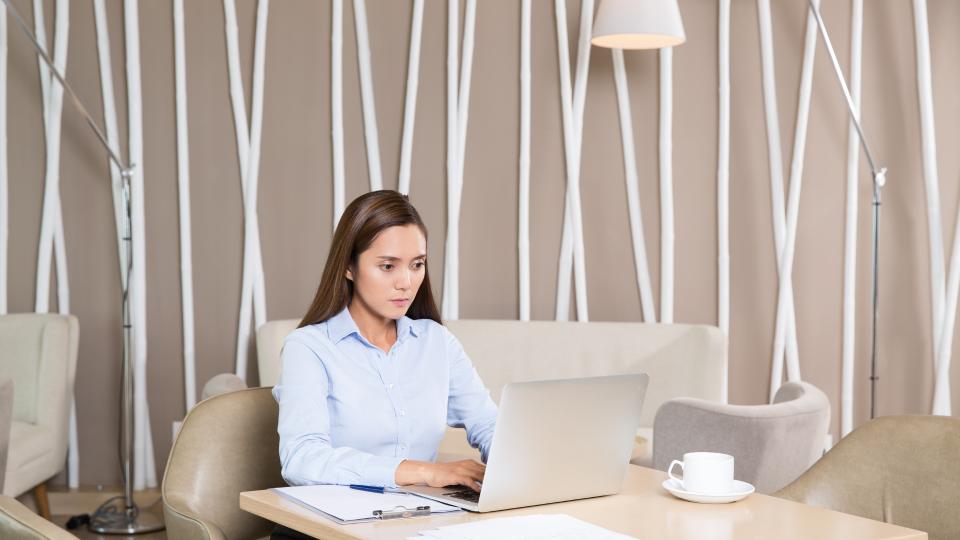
[772, 444]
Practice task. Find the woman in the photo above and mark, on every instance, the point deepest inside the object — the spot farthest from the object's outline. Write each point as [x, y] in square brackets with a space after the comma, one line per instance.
[371, 378]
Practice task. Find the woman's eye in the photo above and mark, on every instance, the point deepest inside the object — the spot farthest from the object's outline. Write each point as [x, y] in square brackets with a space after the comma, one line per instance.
[386, 267]
[419, 264]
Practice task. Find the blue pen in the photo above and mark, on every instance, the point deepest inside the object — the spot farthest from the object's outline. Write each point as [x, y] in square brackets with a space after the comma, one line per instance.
[371, 489]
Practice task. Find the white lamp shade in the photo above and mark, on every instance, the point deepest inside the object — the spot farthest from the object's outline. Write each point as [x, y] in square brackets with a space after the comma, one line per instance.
[638, 24]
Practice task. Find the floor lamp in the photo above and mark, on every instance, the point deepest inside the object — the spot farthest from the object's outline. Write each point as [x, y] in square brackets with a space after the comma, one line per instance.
[649, 24]
[879, 179]
[108, 518]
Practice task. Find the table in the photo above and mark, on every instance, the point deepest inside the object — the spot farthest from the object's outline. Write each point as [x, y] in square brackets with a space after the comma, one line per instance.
[642, 509]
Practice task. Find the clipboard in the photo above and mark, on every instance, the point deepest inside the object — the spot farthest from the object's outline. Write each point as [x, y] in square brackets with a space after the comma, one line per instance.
[345, 506]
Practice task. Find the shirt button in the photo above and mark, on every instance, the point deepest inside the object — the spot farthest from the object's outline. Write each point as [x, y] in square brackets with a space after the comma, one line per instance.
[390, 386]
[402, 447]
[403, 412]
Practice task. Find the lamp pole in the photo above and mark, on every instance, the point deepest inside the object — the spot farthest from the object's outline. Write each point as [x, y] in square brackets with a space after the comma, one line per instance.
[879, 179]
[107, 518]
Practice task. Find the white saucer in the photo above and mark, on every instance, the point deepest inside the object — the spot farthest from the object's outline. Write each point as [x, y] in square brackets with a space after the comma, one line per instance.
[740, 490]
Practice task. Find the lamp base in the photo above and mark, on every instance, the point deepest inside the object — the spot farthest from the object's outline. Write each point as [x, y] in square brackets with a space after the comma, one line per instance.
[117, 519]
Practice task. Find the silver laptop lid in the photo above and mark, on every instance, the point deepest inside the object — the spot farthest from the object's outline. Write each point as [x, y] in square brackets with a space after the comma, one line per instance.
[562, 440]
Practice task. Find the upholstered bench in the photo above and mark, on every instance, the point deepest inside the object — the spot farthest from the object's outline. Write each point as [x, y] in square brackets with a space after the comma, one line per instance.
[682, 360]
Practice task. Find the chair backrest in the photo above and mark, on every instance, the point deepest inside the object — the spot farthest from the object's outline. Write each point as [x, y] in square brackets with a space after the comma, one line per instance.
[681, 360]
[897, 469]
[39, 354]
[227, 444]
[772, 444]
[270, 336]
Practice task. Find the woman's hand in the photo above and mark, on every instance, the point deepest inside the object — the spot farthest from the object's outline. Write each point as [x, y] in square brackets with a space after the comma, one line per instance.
[466, 473]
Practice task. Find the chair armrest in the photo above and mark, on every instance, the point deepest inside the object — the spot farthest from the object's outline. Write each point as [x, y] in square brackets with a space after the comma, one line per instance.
[185, 525]
[6, 418]
[17, 522]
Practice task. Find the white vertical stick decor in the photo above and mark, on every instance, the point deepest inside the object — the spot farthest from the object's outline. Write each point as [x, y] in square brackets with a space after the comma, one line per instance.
[633, 196]
[145, 473]
[366, 95]
[110, 124]
[183, 187]
[666, 185]
[776, 169]
[51, 225]
[453, 33]
[941, 383]
[252, 295]
[523, 238]
[458, 101]
[112, 131]
[850, 226]
[336, 108]
[932, 185]
[785, 258]
[572, 106]
[463, 110]
[4, 192]
[723, 172]
[723, 183]
[410, 105]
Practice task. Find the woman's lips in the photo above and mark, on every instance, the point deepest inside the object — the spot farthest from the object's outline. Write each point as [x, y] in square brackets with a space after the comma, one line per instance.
[400, 302]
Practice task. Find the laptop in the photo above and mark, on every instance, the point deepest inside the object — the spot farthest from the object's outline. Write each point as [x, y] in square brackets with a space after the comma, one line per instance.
[555, 441]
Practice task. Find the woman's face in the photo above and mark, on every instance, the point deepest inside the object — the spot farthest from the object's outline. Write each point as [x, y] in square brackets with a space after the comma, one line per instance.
[388, 274]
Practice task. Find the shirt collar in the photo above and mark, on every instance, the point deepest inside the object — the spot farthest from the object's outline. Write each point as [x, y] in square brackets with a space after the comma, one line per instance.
[405, 326]
[342, 325]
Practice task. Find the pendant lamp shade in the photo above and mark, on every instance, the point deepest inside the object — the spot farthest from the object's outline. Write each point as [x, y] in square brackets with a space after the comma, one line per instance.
[638, 24]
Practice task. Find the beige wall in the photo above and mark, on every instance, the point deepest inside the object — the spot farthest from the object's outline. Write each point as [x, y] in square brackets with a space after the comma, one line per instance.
[296, 191]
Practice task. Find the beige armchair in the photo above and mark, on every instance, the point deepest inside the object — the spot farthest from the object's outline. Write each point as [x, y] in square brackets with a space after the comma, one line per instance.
[39, 354]
[898, 469]
[227, 444]
[772, 444]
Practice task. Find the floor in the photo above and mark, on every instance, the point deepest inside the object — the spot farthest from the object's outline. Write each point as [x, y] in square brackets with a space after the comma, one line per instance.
[84, 534]
[69, 502]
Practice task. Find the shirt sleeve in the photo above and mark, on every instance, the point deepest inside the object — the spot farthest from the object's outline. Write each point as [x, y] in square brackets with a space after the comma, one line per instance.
[306, 453]
[469, 405]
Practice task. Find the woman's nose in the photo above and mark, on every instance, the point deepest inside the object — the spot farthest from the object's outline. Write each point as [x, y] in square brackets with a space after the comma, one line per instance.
[403, 280]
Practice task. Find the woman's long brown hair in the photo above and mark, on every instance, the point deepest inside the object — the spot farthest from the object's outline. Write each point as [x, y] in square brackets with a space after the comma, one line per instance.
[365, 218]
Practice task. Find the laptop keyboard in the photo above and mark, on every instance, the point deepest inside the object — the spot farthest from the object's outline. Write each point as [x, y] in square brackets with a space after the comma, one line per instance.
[464, 495]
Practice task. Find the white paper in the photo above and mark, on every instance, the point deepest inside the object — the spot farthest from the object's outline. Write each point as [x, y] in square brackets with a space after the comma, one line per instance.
[348, 504]
[535, 527]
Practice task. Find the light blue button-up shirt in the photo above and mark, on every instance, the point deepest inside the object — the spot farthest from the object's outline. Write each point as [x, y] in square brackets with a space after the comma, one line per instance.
[350, 413]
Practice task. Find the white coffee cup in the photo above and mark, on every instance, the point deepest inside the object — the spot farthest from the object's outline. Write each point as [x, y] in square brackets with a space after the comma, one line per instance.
[709, 473]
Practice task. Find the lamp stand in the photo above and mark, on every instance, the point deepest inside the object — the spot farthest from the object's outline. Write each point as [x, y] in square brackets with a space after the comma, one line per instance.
[879, 179]
[110, 517]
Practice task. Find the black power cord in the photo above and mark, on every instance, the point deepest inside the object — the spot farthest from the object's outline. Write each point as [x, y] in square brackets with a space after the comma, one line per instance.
[78, 521]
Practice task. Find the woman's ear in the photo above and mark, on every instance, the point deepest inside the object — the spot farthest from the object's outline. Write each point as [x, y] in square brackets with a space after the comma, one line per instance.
[349, 274]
